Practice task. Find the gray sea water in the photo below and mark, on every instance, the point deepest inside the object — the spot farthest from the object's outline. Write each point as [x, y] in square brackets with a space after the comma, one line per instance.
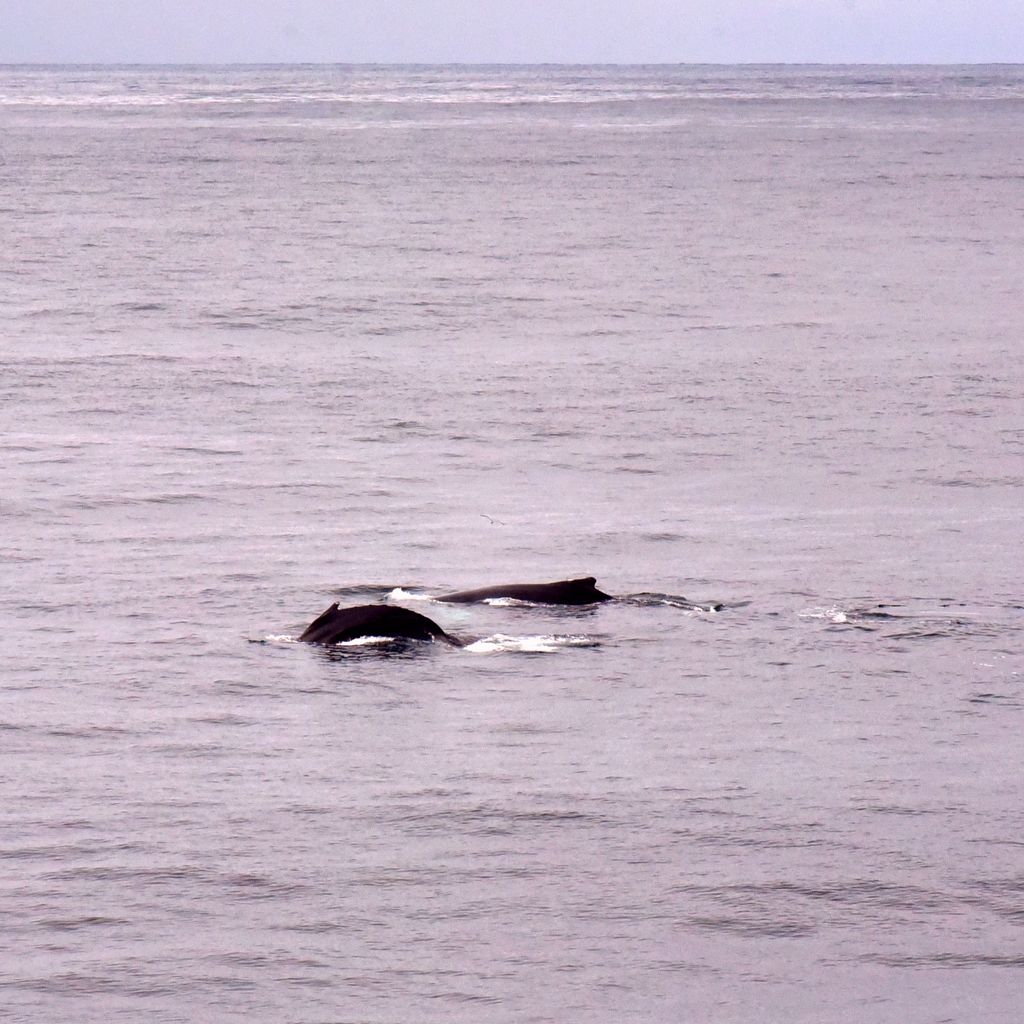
[273, 337]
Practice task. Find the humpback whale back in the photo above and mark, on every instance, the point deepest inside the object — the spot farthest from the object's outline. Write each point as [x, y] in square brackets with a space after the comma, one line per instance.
[581, 591]
[336, 625]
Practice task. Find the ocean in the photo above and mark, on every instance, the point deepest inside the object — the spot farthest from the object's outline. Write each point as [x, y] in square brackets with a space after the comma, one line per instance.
[274, 337]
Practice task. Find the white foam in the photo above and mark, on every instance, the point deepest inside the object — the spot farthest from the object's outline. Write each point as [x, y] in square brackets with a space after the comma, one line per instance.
[359, 641]
[365, 641]
[833, 614]
[399, 594]
[547, 644]
[689, 607]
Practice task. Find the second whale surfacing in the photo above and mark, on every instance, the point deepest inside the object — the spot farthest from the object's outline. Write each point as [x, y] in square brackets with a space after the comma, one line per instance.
[338, 625]
[581, 591]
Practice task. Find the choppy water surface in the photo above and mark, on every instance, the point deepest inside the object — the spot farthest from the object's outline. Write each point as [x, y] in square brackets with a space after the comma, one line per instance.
[275, 337]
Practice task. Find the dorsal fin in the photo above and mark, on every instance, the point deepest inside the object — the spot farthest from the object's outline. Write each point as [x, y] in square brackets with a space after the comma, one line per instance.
[319, 620]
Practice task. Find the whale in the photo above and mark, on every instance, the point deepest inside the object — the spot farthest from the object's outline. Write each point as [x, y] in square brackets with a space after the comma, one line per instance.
[336, 625]
[581, 591]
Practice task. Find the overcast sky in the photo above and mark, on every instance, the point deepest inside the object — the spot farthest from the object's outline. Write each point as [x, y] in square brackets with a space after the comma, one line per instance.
[512, 31]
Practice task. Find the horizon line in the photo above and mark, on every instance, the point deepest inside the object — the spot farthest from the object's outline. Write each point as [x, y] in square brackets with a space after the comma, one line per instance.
[505, 64]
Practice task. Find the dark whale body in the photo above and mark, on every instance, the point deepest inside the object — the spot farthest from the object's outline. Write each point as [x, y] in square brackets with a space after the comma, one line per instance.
[581, 591]
[336, 625]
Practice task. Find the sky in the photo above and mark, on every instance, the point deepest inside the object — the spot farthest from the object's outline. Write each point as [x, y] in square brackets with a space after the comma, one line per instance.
[512, 31]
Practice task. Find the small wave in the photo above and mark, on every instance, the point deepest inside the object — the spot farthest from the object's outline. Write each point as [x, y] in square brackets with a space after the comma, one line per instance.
[905, 622]
[375, 590]
[70, 924]
[861, 617]
[144, 499]
[200, 450]
[832, 613]
[140, 307]
[541, 644]
[947, 960]
[650, 600]
[998, 699]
